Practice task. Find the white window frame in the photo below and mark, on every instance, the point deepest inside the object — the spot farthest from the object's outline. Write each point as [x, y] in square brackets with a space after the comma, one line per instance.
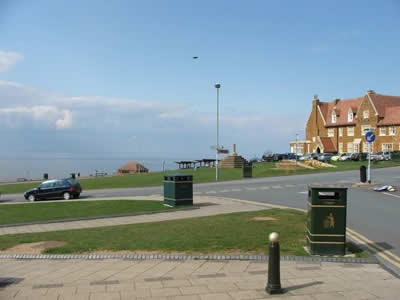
[385, 147]
[331, 132]
[382, 131]
[350, 147]
[340, 147]
[350, 116]
[350, 131]
[365, 129]
[365, 114]
[365, 147]
[356, 147]
[392, 130]
[333, 117]
[340, 131]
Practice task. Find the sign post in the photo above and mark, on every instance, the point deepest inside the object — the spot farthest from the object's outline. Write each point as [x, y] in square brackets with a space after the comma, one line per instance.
[370, 138]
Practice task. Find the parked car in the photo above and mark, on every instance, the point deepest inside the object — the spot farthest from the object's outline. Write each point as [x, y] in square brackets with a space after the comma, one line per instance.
[293, 156]
[268, 157]
[337, 156]
[381, 155]
[325, 157]
[280, 156]
[309, 156]
[57, 188]
[355, 156]
[345, 156]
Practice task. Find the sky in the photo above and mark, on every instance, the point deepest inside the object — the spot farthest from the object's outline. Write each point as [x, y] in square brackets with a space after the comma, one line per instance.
[109, 79]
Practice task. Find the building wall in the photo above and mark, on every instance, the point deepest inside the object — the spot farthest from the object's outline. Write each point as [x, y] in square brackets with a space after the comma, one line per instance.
[315, 127]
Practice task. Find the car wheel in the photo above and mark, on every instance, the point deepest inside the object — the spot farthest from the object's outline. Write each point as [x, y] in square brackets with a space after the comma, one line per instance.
[66, 196]
[31, 198]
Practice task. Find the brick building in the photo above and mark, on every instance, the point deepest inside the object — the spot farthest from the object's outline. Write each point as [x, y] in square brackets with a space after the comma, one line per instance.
[340, 125]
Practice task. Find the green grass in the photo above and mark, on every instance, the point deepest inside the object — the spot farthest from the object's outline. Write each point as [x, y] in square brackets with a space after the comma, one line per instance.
[264, 169]
[34, 212]
[229, 233]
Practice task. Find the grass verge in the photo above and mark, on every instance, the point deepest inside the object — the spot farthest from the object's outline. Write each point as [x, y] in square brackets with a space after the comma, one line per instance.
[230, 233]
[34, 212]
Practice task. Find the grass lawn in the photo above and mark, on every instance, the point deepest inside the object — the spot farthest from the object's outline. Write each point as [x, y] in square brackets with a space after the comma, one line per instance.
[237, 232]
[264, 169]
[230, 233]
[33, 212]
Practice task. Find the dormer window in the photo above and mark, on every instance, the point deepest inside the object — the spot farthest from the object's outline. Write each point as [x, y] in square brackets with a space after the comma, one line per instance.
[366, 114]
[350, 116]
[333, 117]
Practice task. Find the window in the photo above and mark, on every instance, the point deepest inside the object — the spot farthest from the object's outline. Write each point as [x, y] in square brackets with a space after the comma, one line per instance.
[356, 147]
[387, 147]
[349, 147]
[350, 116]
[340, 131]
[331, 132]
[392, 130]
[350, 131]
[382, 130]
[366, 147]
[333, 117]
[365, 129]
[366, 114]
[340, 147]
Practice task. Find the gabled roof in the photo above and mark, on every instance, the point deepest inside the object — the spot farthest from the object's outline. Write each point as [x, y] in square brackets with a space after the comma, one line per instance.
[133, 166]
[341, 109]
[328, 145]
[387, 108]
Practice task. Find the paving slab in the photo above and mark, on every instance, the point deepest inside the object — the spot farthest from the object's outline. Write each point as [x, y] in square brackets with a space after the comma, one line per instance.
[183, 282]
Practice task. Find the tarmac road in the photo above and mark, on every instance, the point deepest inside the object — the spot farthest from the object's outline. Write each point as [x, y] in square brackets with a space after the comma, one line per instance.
[376, 215]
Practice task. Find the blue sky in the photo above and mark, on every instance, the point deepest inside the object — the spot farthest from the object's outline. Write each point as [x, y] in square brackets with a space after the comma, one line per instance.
[112, 77]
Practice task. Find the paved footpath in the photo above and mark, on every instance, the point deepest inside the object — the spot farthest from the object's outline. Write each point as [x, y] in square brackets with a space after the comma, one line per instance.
[111, 278]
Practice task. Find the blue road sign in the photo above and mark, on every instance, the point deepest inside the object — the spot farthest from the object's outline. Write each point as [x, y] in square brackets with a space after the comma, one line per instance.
[370, 137]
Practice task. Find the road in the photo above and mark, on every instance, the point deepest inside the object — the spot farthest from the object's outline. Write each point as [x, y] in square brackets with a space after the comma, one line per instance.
[373, 214]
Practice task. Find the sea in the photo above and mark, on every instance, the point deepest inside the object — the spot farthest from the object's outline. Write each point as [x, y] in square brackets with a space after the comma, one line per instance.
[17, 169]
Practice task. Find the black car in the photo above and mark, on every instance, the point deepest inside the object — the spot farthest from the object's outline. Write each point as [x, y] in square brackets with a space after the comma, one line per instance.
[65, 188]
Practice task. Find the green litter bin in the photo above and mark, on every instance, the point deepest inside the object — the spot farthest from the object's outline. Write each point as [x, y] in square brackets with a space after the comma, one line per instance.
[326, 220]
[247, 171]
[178, 189]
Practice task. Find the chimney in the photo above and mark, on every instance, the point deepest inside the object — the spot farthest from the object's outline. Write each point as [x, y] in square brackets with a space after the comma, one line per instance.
[315, 101]
[370, 92]
[336, 101]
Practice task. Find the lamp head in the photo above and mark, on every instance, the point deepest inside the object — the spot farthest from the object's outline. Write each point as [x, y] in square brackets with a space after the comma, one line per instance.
[217, 85]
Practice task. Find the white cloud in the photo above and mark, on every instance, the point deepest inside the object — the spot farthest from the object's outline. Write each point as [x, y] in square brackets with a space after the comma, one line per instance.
[153, 123]
[8, 60]
[66, 121]
[21, 115]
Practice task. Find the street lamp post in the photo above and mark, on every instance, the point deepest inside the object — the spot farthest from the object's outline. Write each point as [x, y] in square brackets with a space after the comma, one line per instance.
[217, 86]
[297, 136]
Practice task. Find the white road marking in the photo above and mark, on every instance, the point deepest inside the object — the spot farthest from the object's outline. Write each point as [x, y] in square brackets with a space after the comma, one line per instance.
[276, 187]
[197, 193]
[236, 190]
[251, 189]
[305, 192]
[290, 185]
[397, 196]
[224, 191]
[264, 188]
[211, 192]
